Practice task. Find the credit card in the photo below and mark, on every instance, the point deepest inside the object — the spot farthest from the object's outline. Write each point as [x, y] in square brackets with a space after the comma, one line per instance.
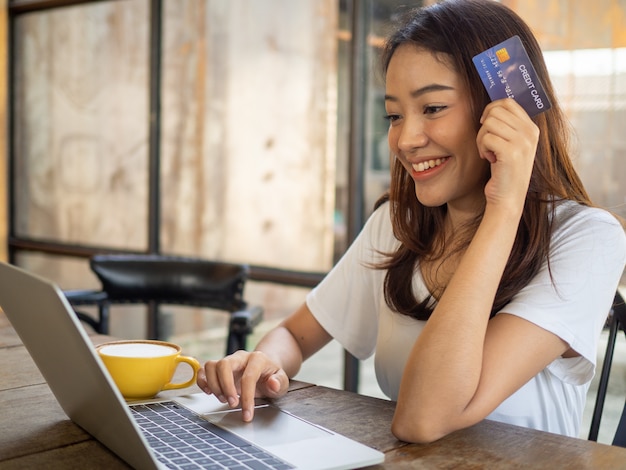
[506, 72]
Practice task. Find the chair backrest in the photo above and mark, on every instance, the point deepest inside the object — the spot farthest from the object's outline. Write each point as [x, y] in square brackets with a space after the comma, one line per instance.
[139, 278]
[616, 321]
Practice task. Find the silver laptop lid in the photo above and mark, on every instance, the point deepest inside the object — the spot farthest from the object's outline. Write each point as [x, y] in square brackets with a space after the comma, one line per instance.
[63, 352]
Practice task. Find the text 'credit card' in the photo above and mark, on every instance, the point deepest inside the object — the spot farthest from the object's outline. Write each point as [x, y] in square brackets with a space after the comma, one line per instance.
[506, 72]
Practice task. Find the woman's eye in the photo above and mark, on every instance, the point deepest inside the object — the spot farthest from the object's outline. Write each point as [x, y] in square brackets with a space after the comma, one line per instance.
[392, 117]
[433, 109]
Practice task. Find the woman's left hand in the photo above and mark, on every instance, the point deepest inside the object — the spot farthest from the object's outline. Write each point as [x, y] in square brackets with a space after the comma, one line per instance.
[508, 140]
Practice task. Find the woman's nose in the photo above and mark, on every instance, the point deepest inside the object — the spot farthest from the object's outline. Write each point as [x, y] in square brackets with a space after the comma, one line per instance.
[412, 136]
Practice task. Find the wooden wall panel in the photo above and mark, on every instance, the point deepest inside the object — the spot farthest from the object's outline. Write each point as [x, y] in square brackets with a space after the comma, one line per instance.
[249, 106]
[81, 120]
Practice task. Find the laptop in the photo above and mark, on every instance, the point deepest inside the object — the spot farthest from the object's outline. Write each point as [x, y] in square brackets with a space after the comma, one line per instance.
[205, 429]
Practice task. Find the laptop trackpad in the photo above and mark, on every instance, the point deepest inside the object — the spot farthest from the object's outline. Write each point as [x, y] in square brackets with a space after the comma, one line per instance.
[270, 426]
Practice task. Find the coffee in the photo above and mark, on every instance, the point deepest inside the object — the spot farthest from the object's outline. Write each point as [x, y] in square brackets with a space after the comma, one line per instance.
[143, 368]
[138, 350]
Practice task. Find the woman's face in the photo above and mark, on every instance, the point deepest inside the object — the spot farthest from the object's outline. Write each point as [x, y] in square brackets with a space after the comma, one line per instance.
[431, 130]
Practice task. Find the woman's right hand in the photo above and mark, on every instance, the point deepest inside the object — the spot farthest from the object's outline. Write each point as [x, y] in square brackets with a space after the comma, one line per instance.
[241, 377]
[508, 139]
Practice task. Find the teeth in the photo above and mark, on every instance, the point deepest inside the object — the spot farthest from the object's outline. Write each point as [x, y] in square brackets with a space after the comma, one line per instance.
[423, 166]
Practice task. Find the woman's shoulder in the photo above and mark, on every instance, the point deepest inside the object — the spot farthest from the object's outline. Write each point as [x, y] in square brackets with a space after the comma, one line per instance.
[572, 212]
[573, 219]
[381, 213]
[378, 225]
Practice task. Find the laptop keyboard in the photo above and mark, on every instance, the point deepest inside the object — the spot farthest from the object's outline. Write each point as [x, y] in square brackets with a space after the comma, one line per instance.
[183, 440]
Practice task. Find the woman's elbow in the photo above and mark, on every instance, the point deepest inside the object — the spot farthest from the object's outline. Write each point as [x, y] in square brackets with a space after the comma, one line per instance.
[417, 431]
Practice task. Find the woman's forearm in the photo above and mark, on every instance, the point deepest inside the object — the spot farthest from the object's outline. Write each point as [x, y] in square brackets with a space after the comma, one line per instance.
[444, 368]
[296, 338]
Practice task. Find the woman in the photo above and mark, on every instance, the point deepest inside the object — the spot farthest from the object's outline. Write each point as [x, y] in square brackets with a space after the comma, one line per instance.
[483, 282]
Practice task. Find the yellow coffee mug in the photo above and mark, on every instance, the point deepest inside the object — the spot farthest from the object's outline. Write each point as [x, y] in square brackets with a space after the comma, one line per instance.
[143, 368]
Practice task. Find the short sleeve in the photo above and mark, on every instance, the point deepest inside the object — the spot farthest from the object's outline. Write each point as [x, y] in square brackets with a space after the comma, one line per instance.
[573, 292]
[346, 301]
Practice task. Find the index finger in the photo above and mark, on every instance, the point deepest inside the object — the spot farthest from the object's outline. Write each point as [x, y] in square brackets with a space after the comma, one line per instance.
[225, 372]
[258, 369]
[220, 377]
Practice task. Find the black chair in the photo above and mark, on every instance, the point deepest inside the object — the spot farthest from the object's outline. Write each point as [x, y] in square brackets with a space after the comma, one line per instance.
[161, 279]
[616, 321]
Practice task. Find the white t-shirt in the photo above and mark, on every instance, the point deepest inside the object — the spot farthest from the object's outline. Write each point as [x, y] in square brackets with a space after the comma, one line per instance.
[587, 258]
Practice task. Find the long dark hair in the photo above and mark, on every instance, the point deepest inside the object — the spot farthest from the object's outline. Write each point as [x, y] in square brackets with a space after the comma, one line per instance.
[458, 30]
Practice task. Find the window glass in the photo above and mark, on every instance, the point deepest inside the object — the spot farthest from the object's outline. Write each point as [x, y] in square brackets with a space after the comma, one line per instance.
[80, 118]
[249, 129]
[585, 50]
[374, 17]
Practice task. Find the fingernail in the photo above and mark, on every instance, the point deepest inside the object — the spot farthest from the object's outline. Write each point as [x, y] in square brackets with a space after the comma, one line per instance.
[232, 401]
[221, 398]
[247, 415]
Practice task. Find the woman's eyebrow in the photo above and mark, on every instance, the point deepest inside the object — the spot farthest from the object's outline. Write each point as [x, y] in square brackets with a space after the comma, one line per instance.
[423, 90]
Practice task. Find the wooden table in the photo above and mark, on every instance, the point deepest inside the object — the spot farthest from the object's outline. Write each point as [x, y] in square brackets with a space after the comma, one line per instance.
[35, 432]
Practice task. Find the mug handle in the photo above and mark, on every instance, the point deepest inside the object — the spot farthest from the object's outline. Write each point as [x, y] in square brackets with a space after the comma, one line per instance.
[195, 365]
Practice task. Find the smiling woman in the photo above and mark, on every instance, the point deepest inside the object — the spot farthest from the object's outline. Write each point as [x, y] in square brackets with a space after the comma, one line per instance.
[468, 280]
